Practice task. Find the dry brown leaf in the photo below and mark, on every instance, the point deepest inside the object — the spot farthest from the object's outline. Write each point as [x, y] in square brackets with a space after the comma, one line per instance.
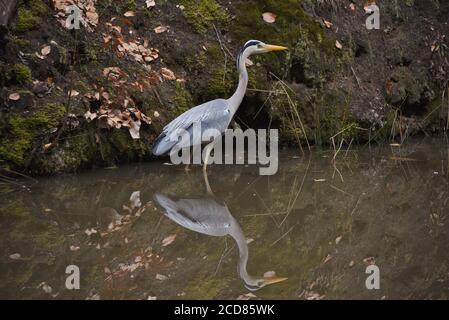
[46, 50]
[73, 93]
[338, 45]
[160, 29]
[328, 24]
[168, 240]
[15, 256]
[168, 74]
[150, 3]
[134, 130]
[269, 17]
[14, 96]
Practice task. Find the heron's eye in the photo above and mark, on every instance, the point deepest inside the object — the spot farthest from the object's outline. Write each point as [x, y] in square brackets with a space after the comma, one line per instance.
[259, 46]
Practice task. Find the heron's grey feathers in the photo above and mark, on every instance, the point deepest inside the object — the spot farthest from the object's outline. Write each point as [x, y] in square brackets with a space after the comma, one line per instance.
[212, 115]
[204, 215]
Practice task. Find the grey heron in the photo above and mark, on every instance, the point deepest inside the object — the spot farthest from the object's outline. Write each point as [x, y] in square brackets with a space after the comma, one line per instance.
[216, 114]
[211, 216]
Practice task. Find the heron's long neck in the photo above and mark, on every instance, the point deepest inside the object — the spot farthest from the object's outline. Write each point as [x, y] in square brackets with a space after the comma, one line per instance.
[237, 97]
[237, 233]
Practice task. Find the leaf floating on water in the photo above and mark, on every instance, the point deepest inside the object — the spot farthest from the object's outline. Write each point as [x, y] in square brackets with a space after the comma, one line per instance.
[269, 274]
[47, 289]
[169, 240]
[15, 256]
[161, 277]
[246, 296]
[338, 239]
[338, 45]
[269, 17]
[402, 159]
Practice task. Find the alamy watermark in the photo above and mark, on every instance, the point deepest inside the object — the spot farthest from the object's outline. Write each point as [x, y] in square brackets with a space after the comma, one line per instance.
[373, 20]
[233, 144]
[373, 280]
[74, 18]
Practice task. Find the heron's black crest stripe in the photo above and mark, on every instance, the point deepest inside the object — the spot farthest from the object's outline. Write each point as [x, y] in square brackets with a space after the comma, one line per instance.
[248, 44]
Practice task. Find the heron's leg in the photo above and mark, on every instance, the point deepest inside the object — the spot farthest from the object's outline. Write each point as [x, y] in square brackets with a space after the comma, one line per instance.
[209, 148]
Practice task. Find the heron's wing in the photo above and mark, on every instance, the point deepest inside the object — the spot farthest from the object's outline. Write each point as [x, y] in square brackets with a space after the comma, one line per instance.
[211, 115]
[200, 215]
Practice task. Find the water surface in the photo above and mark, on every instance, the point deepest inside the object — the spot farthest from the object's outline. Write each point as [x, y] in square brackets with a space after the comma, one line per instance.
[151, 230]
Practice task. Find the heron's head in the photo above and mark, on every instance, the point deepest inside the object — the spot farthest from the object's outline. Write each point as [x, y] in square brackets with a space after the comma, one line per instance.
[258, 283]
[257, 47]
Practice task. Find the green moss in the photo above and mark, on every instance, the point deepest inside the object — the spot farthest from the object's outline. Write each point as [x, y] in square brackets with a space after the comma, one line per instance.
[24, 129]
[26, 20]
[202, 14]
[21, 73]
[37, 6]
[312, 55]
[182, 99]
[18, 42]
[130, 5]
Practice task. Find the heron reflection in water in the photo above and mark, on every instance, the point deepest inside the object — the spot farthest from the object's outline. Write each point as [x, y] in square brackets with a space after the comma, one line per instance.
[210, 215]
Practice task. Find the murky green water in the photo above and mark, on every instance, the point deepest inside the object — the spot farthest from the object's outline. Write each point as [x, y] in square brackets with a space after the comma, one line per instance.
[151, 230]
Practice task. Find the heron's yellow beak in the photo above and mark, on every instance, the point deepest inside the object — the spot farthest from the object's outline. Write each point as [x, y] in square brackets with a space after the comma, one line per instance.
[275, 279]
[270, 47]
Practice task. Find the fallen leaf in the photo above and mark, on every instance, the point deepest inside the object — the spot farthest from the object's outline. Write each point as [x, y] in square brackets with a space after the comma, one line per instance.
[246, 296]
[150, 3]
[160, 29]
[46, 146]
[15, 256]
[168, 240]
[156, 114]
[151, 298]
[14, 96]
[328, 24]
[168, 74]
[47, 289]
[134, 130]
[352, 6]
[269, 17]
[46, 50]
[319, 180]
[269, 274]
[161, 277]
[338, 239]
[338, 45]
[129, 14]
[74, 248]
[73, 93]
[328, 258]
